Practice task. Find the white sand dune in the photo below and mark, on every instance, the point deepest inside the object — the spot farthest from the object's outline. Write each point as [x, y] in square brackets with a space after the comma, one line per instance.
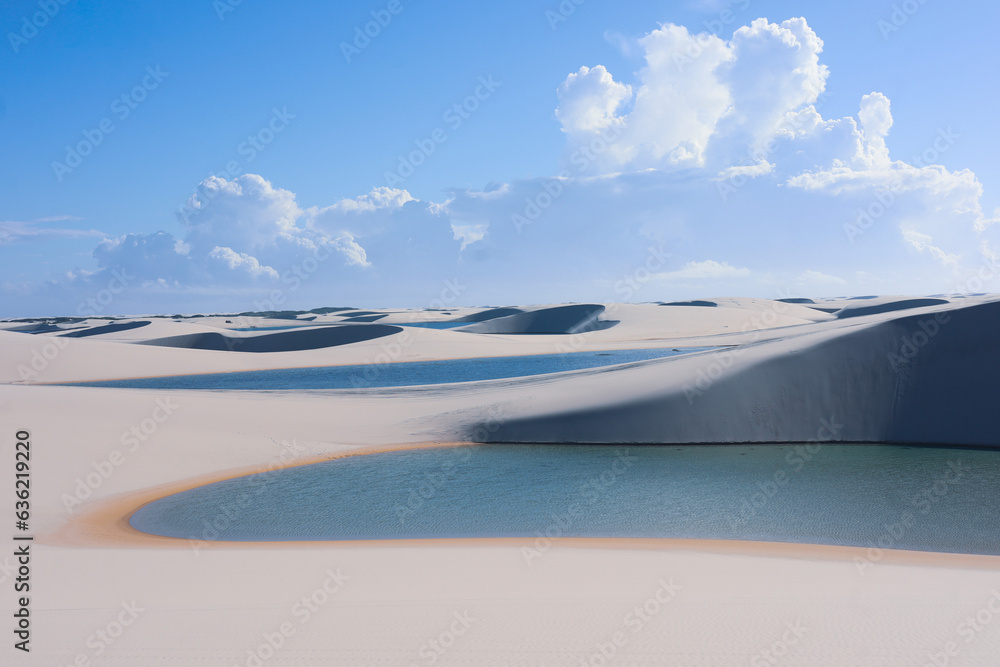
[921, 378]
[490, 314]
[789, 366]
[572, 319]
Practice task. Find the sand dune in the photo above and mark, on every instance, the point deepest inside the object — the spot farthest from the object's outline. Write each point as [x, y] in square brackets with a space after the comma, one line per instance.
[577, 318]
[364, 318]
[888, 307]
[106, 329]
[703, 304]
[38, 328]
[355, 313]
[927, 378]
[490, 314]
[279, 341]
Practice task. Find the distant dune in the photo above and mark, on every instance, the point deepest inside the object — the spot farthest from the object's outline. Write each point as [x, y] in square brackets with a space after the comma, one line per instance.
[490, 314]
[704, 304]
[278, 341]
[364, 318]
[577, 318]
[106, 329]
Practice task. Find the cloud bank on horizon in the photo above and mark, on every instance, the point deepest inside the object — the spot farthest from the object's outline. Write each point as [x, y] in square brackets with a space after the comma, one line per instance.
[713, 172]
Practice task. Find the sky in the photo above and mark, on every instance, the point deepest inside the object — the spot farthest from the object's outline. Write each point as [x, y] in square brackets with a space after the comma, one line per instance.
[227, 156]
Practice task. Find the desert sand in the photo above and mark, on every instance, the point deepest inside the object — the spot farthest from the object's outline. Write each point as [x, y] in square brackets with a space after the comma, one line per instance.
[888, 369]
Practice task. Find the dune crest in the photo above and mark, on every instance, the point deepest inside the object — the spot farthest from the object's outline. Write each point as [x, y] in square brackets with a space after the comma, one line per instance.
[576, 318]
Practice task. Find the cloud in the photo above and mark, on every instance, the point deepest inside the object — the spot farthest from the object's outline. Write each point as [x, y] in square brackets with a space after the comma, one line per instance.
[249, 245]
[747, 110]
[589, 99]
[378, 198]
[22, 231]
[922, 242]
[876, 119]
[237, 232]
[706, 270]
[816, 278]
[699, 97]
[241, 262]
[714, 148]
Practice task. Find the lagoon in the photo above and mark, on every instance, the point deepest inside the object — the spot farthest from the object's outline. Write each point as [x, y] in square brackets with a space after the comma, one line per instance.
[888, 496]
[402, 374]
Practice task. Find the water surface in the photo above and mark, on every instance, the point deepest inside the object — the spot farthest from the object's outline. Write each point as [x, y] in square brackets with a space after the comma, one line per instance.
[923, 498]
[401, 374]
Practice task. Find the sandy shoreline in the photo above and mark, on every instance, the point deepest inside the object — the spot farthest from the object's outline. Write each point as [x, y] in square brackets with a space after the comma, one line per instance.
[108, 525]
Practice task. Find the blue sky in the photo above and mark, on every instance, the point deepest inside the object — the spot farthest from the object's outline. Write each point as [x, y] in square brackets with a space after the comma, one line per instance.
[297, 221]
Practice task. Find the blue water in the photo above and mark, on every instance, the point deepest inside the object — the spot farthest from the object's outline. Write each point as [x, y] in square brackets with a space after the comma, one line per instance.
[921, 498]
[282, 328]
[436, 325]
[396, 374]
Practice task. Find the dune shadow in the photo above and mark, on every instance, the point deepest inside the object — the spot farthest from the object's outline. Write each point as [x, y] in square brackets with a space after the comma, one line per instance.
[105, 329]
[858, 311]
[279, 341]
